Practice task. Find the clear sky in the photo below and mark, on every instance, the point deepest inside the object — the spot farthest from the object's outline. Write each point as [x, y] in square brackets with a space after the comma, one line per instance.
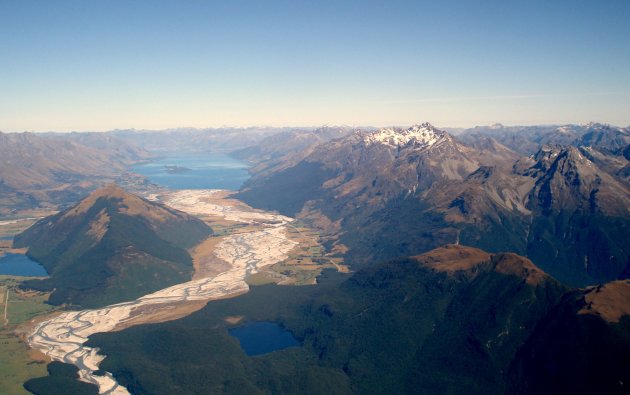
[99, 65]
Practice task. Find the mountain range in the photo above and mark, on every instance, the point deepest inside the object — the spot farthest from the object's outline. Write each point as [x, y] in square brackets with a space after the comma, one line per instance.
[46, 170]
[527, 139]
[491, 261]
[395, 192]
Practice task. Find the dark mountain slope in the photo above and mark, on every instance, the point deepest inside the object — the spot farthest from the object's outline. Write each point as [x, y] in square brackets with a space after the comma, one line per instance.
[449, 321]
[580, 347]
[111, 247]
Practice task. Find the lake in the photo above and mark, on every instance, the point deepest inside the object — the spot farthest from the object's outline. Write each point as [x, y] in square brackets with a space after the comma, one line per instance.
[196, 171]
[20, 265]
[263, 337]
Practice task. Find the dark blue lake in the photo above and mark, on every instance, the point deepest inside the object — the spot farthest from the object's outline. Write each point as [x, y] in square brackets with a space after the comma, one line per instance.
[20, 265]
[198, 171]
[263, 337]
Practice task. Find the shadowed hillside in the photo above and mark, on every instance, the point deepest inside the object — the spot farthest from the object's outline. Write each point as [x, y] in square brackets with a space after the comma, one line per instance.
[454, 320]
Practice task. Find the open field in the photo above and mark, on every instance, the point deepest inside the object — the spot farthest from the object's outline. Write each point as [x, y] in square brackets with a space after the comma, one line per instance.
[18, 362]
[305, 262]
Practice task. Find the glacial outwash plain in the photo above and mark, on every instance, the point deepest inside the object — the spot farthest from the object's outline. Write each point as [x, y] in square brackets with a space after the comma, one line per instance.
[245, 253]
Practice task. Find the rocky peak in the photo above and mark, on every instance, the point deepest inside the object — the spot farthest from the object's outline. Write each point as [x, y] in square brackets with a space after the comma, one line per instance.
[422, 136]
[605, 137]
[595, 125]
[549, 157]
[546, 154]
[568, 179]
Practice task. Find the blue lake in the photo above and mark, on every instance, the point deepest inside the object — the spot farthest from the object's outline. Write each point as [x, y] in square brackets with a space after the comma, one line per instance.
[20, 265]
[263, 337]
[198, 171]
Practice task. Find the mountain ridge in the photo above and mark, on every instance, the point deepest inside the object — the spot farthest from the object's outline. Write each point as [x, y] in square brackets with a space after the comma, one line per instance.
[433, 189]
[38, 171]
[398, 326]
[110, 247]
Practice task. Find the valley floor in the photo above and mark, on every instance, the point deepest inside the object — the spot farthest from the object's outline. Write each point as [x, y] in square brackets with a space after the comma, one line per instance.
[247, 241]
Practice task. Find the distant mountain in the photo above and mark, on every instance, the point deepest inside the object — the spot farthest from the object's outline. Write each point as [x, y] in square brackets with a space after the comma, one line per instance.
[395, 192]
[115, 147]
[110, 247]
[45, 170]
[581, 217]
[193, 140]
[523, 139]
[528, 139]
[568, 179]
[455, 320]
[605, 137]
[286, 148]
[366, 167]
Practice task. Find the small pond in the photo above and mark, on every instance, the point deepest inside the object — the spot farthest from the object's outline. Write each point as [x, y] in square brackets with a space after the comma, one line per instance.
[20, 265]
[263, 337]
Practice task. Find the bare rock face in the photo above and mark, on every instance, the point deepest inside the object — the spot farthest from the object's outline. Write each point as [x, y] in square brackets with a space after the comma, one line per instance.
[581, 217]
[580, 347]
[568, 179]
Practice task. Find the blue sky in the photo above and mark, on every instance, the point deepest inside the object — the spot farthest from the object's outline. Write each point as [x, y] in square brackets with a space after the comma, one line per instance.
[99, 65]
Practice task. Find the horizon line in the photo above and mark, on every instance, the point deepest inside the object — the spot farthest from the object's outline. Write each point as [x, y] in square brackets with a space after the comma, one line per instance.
[378, 125]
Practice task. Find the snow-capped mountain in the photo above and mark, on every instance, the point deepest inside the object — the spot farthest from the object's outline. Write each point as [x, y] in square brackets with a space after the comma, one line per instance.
[421, 136]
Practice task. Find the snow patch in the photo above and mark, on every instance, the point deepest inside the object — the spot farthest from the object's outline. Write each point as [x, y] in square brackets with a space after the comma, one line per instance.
[424, 135]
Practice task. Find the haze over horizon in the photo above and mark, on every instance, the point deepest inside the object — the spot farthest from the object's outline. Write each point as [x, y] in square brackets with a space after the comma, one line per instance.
[90, 66]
